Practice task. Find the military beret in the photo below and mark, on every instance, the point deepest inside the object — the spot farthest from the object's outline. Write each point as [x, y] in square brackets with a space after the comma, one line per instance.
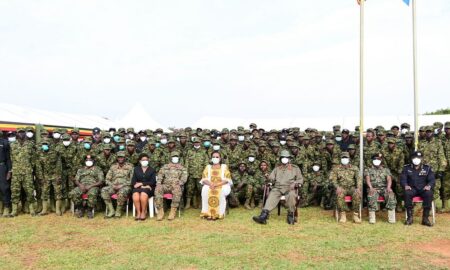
[96, 130]
[329, 141]
[405, 125]
[121, 130]
[21, 129]
[438, 125]
[391, 140]
[65, 137]
[131, 142]
[377, 156]
[121, 154]
[130, 130]
[174, 154]
[107, 146]
[75, 130]
[429, 128]
[345, 155]
[447, 125]
[351, 147]
[29, 128]
[418, 154]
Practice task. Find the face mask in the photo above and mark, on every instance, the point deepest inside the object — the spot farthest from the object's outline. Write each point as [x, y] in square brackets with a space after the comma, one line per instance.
[11, 139]
[131, 136]
[345, 161]
[121, 147]
[178, 139]
[175, 160]
[116, 138]
[216, 147]
[338, 139]
[143, 138]
[45, 147]
[144, 163]
[111, 133]
[87, 146]
[251, 159]
[416, 161]
[192, 139]
[207, 144]
[241, 138]
[107, 140]
[56, 135]
[157, 145]
[251, 136]
[30, 134]
[316, 168]
[436, 131]
[219, 138]
[282, 142]
[66, 143]
[163, 141]
[285, 160]
[196, 146]
[376, 162]
[404, 130]
[127, 141]
[215, 160]
[158, 135]
[89, 163]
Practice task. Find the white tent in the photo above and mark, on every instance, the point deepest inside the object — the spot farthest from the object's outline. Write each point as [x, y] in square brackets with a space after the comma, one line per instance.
[139, 119]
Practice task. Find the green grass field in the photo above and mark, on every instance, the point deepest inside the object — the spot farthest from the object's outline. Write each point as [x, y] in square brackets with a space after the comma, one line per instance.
[236, 242]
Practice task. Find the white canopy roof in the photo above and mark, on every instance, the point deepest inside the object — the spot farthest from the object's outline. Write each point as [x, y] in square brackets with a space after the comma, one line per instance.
[139, 119]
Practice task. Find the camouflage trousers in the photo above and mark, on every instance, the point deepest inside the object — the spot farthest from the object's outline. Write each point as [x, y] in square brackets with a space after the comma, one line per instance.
[174, 189]
[398, 189]
[319, 194]
[389, 199]
[304, 194]
[18, 182]
[193, 187]
[45, 189]
[356, 199]
[446, 186]
[237, 194]
[75, 196]
[67, 184]
[122, 194]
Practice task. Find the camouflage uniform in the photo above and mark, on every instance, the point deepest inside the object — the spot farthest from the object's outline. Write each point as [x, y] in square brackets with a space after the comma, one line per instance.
[243, 186]
[87, 176]
[319, 189]
[370, 150]
[234, 156]
[260, 179]
[118, 175]
[446, 183]
[105, 162]
[69, 165]
[49, 172]
[378, 180]
[195, 162]
[347, 178]
[395, 160]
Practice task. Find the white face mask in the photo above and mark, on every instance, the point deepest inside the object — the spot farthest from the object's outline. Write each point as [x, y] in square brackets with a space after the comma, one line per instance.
[282, 142]
[30, 134]
[56, 135]
[316, 168]
[404, 130]
[436, 131]
[192, 139]
[127, 141]
[89, 163]
[66, 143]
[144, 163]
[143, 138]
[345, 161]
[338, 139]
[241, 138]
[216, 147]
[416, 161]
[175, 159]
[251, 159]
[158, 135]
[11, 139]
[251, 136]
[215, 160]
[107, 140]
[111, 133]
[178, 139]
[219, 138]
[163, 141]
[131, 136]
[197, 146]
[376, 162]
[285, 160]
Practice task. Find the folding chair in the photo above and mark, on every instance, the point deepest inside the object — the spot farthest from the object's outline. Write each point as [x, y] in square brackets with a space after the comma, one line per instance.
[151, 208]
[418, 199]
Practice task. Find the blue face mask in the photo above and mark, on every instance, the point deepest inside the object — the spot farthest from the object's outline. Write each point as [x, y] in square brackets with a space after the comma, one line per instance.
[121, 147]
[157, 145]
[116, 138]
[207, 144]
[45, 147]
[87, 146]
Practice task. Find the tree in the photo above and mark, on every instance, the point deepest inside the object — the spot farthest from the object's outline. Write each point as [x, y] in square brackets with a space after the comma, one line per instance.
[439, 112]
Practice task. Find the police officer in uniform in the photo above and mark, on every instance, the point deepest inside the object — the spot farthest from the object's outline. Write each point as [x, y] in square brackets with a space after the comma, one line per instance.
[5, 176]
[417, 179]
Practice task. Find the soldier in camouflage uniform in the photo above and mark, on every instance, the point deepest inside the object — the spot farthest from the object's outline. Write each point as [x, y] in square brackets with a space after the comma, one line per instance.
[153, 153]
[371, 147]
[433, 155]
[394, 160]
[242, 187]
[171, 179]
[22, 153]
[446, 179]
[195, 162]
[346, 180]
[234, 154]
[354, 155]
[106, 159]
[85, 148]
[131, 155]
[252, 163]
[118, 181]
[49, 174]
[379, 181]
[88, 181]
[261, 178]
[331, 155]
[408, 148]
[68, 151]
[319, 189]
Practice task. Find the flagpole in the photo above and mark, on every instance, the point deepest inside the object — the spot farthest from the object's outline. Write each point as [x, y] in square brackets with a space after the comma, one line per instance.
[416, 98]
[361, 92]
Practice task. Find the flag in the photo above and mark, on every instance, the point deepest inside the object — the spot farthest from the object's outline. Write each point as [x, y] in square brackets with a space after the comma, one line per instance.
[405, 1]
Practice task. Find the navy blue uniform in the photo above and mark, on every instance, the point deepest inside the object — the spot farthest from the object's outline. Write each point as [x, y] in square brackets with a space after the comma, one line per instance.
[5, 167]
[417, 179]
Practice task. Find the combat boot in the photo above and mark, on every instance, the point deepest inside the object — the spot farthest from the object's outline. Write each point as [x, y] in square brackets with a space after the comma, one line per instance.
[391, 216]
[13, 210]
[290, 218]
[188, 204]
[160, 214]
[39, 205]
[247, 204]
[58, 210]
[90, 213]
[262, 218]
[118, 211]
[356, 218]
[343, 217]
[6, 211]
[172, 214]
[44, 208]
[425, 220]
[445, 208]
[32, 211]
[409, 217]
[110, 208]
[372, 217]
[80, 211]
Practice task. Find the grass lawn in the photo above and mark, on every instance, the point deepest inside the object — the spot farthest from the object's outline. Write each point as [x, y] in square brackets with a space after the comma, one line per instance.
[236, 242]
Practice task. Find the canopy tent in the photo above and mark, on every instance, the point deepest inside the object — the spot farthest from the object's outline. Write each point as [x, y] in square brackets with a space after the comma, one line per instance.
[139, 119]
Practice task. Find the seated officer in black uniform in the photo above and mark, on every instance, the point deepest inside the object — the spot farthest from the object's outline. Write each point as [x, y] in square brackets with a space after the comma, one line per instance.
[417, 179]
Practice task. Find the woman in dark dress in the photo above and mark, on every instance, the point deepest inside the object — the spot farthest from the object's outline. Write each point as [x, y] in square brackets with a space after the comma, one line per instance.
[143, 183]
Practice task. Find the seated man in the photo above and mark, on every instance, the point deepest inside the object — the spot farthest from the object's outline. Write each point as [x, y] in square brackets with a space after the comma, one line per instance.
[346, 180]
[379, 182]
[87, 181]
[118, 181]
[417, 179]
[243, 187]
[171, 178]
[286, 178]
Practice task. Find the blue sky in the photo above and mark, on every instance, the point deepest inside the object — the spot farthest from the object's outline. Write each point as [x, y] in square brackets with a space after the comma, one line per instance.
[188, 59]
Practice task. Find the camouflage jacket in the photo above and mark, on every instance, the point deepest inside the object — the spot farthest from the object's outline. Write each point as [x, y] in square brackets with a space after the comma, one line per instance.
[345, 177]
[433, 154]
[394, 160]
[48, 164]
[172, 174]
[119, 175]
[378, 176]
[22, 157]
[89, 176]
[195, 162]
